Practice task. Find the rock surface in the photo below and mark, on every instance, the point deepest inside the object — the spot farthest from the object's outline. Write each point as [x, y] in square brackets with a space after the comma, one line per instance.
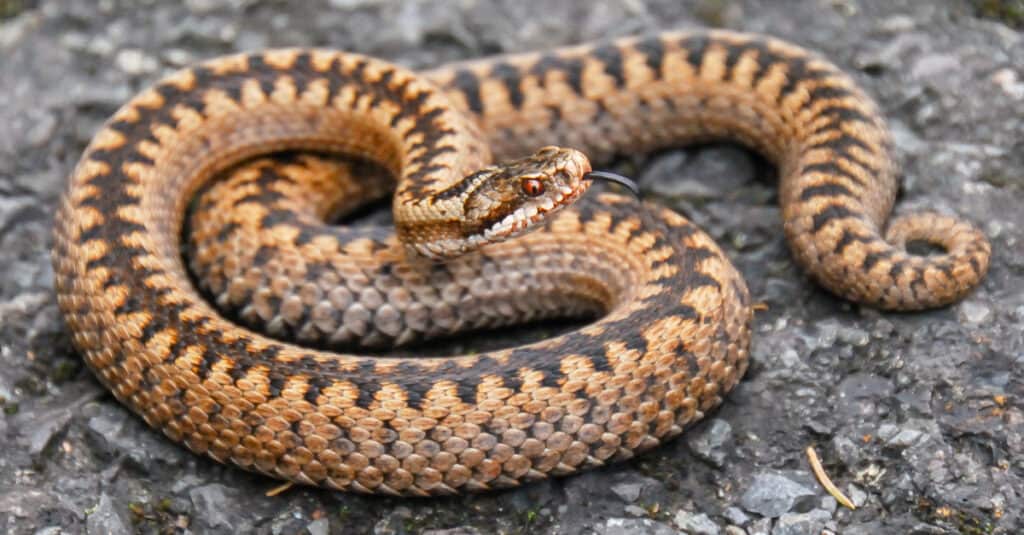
[918, 415]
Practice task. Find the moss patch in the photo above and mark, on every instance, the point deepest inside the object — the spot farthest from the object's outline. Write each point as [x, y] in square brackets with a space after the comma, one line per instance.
[1009, 12]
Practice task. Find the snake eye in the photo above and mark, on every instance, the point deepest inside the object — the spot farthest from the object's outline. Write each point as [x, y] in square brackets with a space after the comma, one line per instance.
[532, 187]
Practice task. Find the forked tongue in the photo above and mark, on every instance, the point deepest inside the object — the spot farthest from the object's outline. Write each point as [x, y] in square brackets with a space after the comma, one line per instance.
[627, 183]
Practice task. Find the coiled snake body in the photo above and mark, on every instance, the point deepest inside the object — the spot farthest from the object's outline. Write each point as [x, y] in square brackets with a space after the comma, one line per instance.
[673, 332]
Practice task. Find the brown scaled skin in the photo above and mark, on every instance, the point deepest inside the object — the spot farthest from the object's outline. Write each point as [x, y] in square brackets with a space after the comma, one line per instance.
[673, 334]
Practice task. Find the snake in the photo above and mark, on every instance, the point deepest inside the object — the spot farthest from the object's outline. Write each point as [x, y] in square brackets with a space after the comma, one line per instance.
[207, 276]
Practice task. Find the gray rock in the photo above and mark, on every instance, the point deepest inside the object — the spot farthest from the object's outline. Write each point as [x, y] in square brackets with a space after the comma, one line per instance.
[810, 523]
[735, 530]
[106, 519]
[974, 312]
[634, 526]
[629, 491]
[709, 441]
[322, 526]
[848, 452]
[826, 334]
[695, 523]
[352, 4]
[134, 61]
[884, 56]
[116, 432]
[853, 336]
[584, 504]
[289, 521]
[1009, 82]
[461, 530]
[771, 495]
[898, 437]
[859, 395]
[736, 516]
[537, 496]
[897, 24]
[42, 130]
[828, 504]
[46, 428]
[11, 208]
[221, 507]
[932, 65]
[711, 173]
[394, 522]
[207, 6]
[867, 528]
[635, 510]
[897, 490]
[856, 495]
[760, 527]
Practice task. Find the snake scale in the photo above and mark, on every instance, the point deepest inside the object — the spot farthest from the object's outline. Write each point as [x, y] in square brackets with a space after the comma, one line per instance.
[673, 316]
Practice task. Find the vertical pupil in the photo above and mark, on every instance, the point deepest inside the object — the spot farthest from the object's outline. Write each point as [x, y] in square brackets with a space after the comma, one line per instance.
[533, 187]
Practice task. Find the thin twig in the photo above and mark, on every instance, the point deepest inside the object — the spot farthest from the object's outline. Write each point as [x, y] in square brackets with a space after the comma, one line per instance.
[279, 489]
[819, 472]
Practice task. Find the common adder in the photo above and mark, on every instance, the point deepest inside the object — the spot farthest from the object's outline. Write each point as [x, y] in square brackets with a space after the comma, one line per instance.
[674, 315]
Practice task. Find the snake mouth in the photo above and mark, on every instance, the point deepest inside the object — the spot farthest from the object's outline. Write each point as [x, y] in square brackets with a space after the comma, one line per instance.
[522, 220]
[510, 226]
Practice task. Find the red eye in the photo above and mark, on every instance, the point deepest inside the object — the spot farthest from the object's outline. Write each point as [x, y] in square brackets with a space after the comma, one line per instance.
[532, 187]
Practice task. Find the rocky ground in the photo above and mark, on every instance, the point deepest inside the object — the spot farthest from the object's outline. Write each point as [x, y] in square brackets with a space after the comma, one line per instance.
[919, 418]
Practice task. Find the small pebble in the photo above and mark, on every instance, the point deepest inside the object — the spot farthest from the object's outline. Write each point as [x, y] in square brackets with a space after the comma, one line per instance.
[635, 510]
[853, 336]
[771, 495]
[857, 496]
[40, 132]
[461, 530]
[633, 526]
[1008, 81]
[932, 65]
[318, 527]
[904, 438]
[134, 61]
[709, 443]
[760, 527]
[696, 524]
[106, 518]
[811, 523]
[974, 312]
[736, 516]
[829, 504]
[897, 24]
[629, 492]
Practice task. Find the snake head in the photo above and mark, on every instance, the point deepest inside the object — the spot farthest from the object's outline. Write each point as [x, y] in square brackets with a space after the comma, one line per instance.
[509, 198]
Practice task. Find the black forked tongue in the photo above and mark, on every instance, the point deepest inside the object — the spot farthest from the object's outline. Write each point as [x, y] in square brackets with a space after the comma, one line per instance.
[617, 179]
